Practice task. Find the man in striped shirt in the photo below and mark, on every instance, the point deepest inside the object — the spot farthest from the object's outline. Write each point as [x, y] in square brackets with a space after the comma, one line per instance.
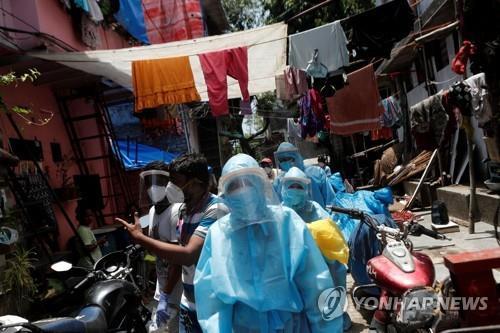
[189, 182]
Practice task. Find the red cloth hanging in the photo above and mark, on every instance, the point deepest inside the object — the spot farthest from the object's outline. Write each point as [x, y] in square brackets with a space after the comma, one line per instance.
[356, 107]
[385, 133]
[459, 64]
[216, 67]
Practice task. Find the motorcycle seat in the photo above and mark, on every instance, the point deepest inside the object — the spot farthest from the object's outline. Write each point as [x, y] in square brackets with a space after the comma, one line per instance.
[90, 319]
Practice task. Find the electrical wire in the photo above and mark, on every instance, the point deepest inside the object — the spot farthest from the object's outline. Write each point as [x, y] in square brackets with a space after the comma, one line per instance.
[48, 37]
[7, 39]
[37, 32]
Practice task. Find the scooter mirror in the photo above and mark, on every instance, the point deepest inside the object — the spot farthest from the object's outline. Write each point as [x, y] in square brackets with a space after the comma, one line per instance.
[61, 266]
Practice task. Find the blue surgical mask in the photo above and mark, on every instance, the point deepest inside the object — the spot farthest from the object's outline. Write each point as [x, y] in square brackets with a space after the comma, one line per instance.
[285, 166]
[243, 203]
[295, 198]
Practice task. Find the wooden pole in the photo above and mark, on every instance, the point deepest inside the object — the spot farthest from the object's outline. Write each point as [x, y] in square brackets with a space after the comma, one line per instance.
[424, 175]
[357, 162]
[472, 179]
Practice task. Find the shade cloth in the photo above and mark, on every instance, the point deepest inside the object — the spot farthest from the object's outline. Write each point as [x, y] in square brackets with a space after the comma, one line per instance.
[266, 57]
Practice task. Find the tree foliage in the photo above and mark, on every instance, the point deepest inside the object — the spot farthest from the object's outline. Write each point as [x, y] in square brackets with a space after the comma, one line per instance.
[14, 79]
[245, 14]
[283, 10]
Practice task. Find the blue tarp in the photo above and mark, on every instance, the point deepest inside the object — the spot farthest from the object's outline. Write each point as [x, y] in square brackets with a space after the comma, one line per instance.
[362, 240]
[131, 16]
[145, 154]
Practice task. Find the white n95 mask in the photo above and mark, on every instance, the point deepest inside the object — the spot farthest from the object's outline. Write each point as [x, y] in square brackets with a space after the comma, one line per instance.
[174, 193]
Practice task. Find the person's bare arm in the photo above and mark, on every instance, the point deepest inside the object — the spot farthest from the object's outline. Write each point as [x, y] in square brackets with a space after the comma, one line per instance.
[92, 247]
[178, 255]
[174, 274]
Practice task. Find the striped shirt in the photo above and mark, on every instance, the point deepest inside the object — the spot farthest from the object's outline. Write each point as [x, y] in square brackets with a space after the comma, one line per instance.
[196, 224]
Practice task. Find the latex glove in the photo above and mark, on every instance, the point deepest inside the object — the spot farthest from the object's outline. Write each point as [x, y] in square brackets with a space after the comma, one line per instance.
[162, 314]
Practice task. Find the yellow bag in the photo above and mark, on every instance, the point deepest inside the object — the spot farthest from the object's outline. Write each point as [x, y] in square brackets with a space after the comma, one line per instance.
[330, 240]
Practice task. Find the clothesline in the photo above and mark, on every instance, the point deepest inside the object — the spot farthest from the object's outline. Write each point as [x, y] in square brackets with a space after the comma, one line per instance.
[446, 81]
[249, 45]
[185, 55]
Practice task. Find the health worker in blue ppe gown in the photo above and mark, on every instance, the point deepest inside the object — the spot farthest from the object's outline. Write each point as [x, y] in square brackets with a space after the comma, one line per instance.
[288, 156]
[296, 194]
[260, 269]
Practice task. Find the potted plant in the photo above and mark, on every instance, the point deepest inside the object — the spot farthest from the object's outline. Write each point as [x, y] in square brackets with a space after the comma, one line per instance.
[17, 285]
[67, 190]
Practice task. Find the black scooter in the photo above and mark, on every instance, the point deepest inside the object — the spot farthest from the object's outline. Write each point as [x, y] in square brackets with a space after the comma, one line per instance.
[111, 302]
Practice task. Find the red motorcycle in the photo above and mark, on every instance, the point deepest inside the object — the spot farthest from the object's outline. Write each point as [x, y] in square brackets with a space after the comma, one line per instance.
[407, 301]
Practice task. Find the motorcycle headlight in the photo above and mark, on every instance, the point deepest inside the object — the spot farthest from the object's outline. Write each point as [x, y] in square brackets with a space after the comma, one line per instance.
[418, 307]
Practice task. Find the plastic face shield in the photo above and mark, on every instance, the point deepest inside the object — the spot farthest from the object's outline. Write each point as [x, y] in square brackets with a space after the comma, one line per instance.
[298, 184]
[286, 160]
[152, 186]
[247, 193]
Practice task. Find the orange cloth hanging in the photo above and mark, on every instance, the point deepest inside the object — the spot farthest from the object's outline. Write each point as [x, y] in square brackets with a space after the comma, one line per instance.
[163, 81]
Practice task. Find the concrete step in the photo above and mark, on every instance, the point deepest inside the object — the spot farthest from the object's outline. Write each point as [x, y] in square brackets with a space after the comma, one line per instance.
[426, 196]
[456, 198]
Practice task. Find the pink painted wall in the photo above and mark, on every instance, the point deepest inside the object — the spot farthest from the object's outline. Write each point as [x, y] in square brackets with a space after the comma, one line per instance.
[41, 97]
[48, 16]
[26, 20]
[52, 19]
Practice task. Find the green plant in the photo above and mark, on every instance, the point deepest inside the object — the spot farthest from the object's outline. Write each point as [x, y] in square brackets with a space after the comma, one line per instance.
[16, 279]
[11, 218]
[13, 78]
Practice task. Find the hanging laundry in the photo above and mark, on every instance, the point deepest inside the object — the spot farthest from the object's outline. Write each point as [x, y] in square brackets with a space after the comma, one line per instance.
[310, 122]
[295, 82]
[428, 120]
[281, 89]
[161, 21]
[460, 96]
[246, 107]
[481, 106]
[316, 103]
[384, 133]
[392, 112]
[459, 63]
[90, 34]
[163, 81]
[216, 67]
[374, 32]
[315, 68]
[293, 131]
[328, 86]
[329, 40]
[95, 13]
[83, 4]
[356, 108]
[291, 84]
